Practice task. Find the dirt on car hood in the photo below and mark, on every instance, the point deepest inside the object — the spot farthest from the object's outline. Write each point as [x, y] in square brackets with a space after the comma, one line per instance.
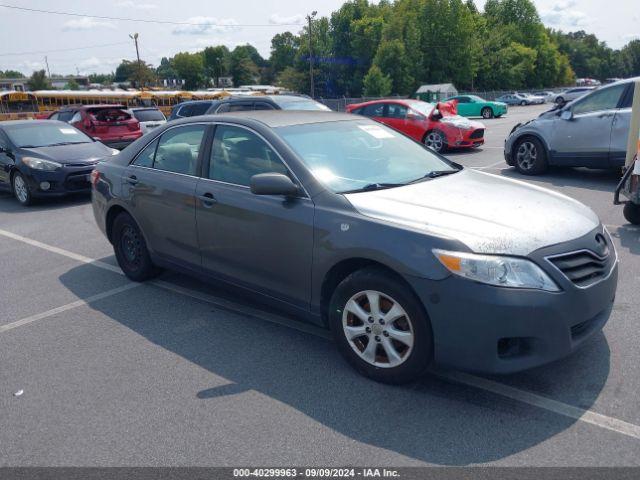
[489, 214]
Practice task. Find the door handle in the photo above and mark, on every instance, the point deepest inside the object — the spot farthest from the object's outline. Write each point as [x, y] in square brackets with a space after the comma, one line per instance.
[207, 199]
[132, 180]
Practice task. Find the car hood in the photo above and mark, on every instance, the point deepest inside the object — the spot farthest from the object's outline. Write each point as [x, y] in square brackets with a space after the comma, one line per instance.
[81, 153]
[460, 122]
[489, 214]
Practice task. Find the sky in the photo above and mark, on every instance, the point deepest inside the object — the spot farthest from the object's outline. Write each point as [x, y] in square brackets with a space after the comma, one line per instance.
[85, 45]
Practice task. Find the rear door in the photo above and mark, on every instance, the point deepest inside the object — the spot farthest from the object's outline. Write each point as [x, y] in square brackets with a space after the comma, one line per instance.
[5, 159]
[585, 139]
[160, 187]
[262, 242]
[620, 128]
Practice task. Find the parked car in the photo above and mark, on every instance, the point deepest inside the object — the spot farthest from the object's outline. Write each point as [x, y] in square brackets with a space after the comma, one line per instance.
[570, 94]
[407, 257]
[589, 132]
[517, 99]
[437, 128]
[43, 158]
[474, 106]
[248, 103]
[534, 99]
[191, 108]
[546, 94]
[111, 124]
[149, 117]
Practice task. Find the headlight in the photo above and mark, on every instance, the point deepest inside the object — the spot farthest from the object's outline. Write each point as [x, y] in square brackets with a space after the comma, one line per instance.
[114, 151]
[497, 270]
[40, 164]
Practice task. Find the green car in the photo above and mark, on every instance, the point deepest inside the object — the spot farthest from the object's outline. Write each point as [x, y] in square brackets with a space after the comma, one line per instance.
[474, 106]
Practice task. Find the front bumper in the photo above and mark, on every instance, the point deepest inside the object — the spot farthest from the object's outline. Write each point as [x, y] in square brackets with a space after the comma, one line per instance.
[64, 181]
[488, 329]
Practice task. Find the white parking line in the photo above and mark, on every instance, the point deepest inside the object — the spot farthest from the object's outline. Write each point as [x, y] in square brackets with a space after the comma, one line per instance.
[545, 403]
[67, 307]
[486, 167]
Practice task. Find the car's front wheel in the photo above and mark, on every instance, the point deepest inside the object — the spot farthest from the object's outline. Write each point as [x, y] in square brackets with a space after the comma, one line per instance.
[530, 156]
[523, 103]
[560, 101]
[487, 113]
[21, 189]
[632, 213]
[380, 327]
[436, 141]
[131, 249]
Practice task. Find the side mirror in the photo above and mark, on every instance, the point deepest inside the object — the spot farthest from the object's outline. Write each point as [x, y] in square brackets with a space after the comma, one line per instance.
[566, 114]
[273, 184]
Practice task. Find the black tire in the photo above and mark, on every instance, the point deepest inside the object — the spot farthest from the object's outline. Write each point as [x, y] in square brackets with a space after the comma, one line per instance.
[523, 103]
[131, 249]
[431, 142]
[536, 162]
[560, 101]
[415, 360]
[487, 113]
[632, 213]
[21, 191]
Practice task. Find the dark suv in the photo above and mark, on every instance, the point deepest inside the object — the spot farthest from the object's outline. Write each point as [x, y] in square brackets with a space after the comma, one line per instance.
[246, 103]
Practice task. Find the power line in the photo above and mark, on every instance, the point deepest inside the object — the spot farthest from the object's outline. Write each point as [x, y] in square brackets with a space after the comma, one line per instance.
[62, 49]
[145, 20]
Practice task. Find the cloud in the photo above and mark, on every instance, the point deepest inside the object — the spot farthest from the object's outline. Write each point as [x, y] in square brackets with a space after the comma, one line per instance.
[136, 5]
[205, 25]
[86, 23]
[277, 19]
[564, 14]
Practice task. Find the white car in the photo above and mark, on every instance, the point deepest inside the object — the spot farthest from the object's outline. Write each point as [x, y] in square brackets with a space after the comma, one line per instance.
[534, 99]
[149, 118]
[571, 94]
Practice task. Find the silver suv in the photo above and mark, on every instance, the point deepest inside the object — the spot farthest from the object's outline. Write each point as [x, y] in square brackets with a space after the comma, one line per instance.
[570, 94]
[588, 132]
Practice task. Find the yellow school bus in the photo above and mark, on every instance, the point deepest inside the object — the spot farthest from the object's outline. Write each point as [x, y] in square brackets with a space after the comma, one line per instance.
[16, 105]
[51, 100]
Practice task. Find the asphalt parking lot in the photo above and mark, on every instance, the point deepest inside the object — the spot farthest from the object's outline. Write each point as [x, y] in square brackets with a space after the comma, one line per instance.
[180, 373]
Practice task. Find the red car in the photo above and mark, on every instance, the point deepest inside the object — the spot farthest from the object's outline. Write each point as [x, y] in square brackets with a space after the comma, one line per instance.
[110, 124]
[437, 126]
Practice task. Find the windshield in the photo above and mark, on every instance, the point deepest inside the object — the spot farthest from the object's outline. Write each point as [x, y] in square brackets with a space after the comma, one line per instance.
[44, 134]
[422, 107]
[151, 115]
[298, 103]
[351, 155]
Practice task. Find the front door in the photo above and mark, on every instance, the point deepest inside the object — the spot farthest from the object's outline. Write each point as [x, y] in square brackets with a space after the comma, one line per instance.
[160, 185]
[258, 241]
[585, 139]
[6, 162]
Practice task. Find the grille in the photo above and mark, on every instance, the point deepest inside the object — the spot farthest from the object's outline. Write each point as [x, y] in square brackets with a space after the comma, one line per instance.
[583, 268]
[479, 133]
[78, 181]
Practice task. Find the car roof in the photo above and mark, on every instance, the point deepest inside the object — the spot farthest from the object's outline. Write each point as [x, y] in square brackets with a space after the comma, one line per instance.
[31, 122]
[280, 118]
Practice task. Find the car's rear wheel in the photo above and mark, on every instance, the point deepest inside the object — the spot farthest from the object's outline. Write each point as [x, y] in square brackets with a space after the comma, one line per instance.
[487, 113]
[436, 141]
[530, 156]
[131, 249]
[21, 189]
[632, 213]
[380, 327]
[523, 103]
[560, 101]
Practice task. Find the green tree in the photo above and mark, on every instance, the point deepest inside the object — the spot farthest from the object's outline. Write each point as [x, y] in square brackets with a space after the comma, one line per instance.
[284, 47]
[190, 68]
[376, 84]
[630, 55]
[292, 79]
[38, 81]
[216, 62]
[241, 66]
[392, 59]
[165, 70]
[72, 85]
[139, 76]
[11, 74]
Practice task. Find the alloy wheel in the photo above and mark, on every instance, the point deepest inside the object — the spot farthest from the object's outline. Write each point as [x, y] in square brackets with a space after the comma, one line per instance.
[527, 155]
[378, 329]
[20, 188]
[434, 141]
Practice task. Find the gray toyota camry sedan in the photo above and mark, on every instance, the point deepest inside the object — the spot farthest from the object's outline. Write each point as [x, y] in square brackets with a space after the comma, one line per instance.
[408, 258]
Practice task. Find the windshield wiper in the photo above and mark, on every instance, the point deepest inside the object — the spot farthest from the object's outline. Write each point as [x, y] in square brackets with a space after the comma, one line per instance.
[434, 174]
[374, 186]
[60, 144]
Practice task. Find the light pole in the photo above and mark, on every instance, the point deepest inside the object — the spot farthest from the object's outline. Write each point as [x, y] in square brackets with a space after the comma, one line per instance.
[134, 37]
[309, 19]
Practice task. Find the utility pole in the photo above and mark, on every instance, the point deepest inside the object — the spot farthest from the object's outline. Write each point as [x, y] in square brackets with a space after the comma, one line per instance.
[46, 61]
[134, 37]
[309, 19]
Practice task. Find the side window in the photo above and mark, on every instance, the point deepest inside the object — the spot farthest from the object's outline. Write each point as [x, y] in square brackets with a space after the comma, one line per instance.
[463, 99]
[223, 108]
[65, 116]
[395, 110]
[375, 110]
[605, 99]
[240, 107]
[76, 118]
[178, 149]
[238, 154]
[145, 159]
[627, 101]
[184, 111]
[199, 108]
[357, 111]
[262, 106]
[54, 116]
